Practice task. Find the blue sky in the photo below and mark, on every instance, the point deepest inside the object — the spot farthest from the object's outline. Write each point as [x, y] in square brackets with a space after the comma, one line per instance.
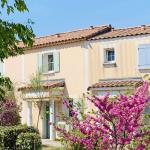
[53, 16]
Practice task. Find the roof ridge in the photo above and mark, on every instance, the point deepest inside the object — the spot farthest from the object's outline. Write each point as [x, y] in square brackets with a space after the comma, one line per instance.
[88, 28]
[132, 27]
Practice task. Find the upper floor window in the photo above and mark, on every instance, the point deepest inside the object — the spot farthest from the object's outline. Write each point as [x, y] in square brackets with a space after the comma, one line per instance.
[109, 55]
[49, 62]
[144, 56]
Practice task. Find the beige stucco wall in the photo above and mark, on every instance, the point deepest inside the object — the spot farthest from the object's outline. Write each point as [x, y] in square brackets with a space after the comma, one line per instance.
[126, 51]
[21, 68]
[81, 65]
[13, 68]
[72, 63]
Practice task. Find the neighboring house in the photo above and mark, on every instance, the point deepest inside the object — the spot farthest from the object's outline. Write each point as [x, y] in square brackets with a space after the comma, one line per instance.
[119, 59]
[99, 59]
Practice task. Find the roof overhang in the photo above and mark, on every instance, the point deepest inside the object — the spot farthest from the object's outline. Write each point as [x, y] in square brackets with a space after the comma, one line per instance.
[116, 84]
[46, 91]
[44, 85]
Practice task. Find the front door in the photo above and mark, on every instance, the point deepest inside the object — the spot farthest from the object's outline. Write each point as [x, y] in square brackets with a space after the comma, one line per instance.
[47, 121]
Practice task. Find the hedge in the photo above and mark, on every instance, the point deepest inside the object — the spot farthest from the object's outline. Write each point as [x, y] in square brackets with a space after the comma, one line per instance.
[10, 134]
[28, 141]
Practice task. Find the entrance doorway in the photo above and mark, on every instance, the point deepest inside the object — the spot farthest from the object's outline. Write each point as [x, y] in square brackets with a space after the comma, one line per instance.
[47, 120]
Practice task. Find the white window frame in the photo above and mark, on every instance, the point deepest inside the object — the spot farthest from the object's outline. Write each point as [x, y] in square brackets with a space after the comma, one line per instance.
[106, 57]
[51, 62]
[48, 53]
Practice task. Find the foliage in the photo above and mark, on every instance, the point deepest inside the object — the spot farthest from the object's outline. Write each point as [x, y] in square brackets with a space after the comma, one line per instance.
[9, 94]
[37, 87]
[36, 81]
[9, 113]
[144, 128]
[114, 125]
[9, 135]
[10, 35]
[28, 141]
[5, 85]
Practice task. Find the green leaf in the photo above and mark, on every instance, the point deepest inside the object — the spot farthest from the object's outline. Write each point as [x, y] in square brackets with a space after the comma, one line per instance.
[10, 9]
[3, 2]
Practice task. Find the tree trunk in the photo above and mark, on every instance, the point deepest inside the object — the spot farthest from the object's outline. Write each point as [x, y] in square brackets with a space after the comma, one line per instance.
[40, 108]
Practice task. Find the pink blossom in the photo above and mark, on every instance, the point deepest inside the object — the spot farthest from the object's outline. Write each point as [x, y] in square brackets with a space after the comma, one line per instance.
[115, 124]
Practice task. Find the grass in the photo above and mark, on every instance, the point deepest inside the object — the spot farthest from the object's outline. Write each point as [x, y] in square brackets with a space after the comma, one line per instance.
[51, 148]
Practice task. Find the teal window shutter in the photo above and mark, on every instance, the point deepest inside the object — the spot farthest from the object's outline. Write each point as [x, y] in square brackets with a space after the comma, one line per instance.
[45, 63]
[1, 68]
[39, 62]
[56, 61]
[144, 56]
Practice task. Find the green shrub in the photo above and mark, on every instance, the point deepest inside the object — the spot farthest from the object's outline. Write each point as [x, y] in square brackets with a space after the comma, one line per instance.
[9, 135]
[28, 141]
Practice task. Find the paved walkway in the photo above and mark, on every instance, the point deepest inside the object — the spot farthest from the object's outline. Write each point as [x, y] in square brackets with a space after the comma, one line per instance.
[47, 142]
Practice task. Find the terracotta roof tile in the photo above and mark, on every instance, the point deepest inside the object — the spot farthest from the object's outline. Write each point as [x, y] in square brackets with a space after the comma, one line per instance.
[117, 83]
[132, 31]
[68, 37]
[51, 84]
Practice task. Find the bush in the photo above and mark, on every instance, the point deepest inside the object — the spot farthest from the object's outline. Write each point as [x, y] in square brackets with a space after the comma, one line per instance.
[9, 113]
[9, 135]
[28, 141]
[114, 124]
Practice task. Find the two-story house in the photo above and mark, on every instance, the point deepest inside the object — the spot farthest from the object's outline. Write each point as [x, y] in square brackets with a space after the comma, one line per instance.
[98, 59]
[119, 59]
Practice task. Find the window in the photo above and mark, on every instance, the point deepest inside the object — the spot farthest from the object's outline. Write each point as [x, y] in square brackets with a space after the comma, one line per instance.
[47, 62]
[109, 55]
[51, 62]
[144, 56]
[111, 93]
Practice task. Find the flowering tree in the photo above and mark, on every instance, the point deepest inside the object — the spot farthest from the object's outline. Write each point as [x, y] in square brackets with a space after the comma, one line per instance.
[115, 124]
[9, 113]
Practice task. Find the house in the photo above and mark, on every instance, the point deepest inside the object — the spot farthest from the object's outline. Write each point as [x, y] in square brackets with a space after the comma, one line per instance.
[98, 59]
[122, 62]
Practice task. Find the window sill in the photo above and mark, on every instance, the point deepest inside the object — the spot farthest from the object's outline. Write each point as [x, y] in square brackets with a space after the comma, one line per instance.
[110, 64]
[49, 73]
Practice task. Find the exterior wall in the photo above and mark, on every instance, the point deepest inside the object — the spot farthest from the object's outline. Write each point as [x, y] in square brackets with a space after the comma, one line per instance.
[21, 68]
[13, 69]
[126, 53]
[81, 65]
[71, 68]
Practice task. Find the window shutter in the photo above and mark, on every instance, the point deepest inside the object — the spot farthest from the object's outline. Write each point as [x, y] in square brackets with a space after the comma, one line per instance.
[45, 63]
[144, 55]
[39, 62]
[1, 68]
[56, 61]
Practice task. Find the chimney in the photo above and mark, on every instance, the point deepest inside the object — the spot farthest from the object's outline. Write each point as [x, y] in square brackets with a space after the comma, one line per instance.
[58, 35]
[110, 26]
[91, 27]
[112, 29]
[143, 27]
